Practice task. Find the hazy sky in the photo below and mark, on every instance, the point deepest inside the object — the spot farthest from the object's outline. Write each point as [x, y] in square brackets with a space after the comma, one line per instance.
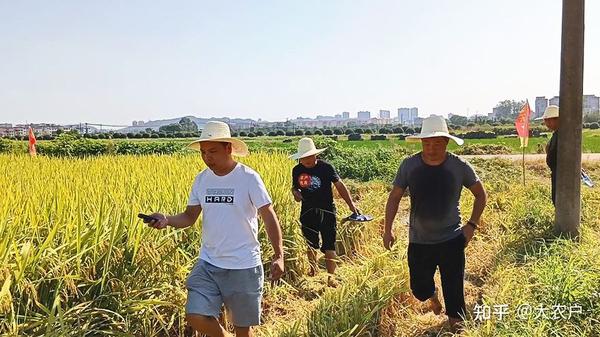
[119, 61]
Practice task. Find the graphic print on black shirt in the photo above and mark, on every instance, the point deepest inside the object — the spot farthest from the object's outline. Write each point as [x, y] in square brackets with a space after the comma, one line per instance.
[315, 185]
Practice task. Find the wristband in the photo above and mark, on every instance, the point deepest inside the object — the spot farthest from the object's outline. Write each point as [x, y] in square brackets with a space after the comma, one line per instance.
[474, 225]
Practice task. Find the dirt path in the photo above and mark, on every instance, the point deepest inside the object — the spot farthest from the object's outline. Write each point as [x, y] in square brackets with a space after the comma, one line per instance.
[585, 157]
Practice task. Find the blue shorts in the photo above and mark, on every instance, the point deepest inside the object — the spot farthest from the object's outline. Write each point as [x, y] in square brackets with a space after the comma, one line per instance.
[240, 290]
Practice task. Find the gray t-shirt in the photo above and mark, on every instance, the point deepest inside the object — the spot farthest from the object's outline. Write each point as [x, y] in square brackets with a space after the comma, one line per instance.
[434, 196]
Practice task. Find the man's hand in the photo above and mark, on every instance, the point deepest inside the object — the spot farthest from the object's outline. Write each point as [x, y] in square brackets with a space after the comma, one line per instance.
[388, 240]
[297, 195]
[161, 223]
[468, 232]
[277, 268]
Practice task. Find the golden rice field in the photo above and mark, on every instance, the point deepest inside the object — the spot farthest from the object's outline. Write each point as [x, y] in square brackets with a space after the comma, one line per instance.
[76, 261]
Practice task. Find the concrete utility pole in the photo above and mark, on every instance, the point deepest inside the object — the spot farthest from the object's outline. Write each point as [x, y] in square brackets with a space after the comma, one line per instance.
[568, 184]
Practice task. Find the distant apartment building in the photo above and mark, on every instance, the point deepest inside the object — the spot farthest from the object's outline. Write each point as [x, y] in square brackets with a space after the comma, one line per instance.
[414, 114]
[403, 115]
[345, 115]
[14, 131]
[319, 123]
[496, 112]
[40, 129]
[364, 115]
[384, 114]
[541, 103]
[408, 115]
[5, 130]
[591, 104]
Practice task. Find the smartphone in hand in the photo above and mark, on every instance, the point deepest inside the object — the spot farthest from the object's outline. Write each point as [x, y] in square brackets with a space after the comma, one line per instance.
[146, 218]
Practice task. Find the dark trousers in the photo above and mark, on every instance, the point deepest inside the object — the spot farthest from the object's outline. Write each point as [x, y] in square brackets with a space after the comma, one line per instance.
[553, 180]
[449, 256]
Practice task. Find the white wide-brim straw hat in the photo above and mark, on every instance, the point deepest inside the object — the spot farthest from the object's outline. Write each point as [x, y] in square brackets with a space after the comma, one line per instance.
[219, 132]
[306, 147]
[434, 126]
[550, 112]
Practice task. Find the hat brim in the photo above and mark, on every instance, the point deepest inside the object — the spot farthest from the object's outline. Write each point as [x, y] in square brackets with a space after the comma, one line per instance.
[417, 138]
[299, 155]
[545, 117]
[238, 147]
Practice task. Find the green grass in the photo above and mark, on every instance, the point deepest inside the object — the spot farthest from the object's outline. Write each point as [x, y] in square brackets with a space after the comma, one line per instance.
[590, 144]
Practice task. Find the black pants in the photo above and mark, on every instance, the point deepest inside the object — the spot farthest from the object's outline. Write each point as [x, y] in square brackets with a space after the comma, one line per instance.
[449, 256]
[553, 180]
[317, 221]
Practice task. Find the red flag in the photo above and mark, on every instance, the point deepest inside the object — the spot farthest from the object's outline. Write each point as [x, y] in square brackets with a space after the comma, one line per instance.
[522, 123]
[32, 142]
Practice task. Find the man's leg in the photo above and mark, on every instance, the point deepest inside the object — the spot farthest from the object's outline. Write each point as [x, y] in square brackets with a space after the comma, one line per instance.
[328, 234]
[243, 332]
[422, 264]
[242, 294]
[310, 231]
[204, 300]
[330, 262]
[313, 264]
[452, 270]
[206, 325]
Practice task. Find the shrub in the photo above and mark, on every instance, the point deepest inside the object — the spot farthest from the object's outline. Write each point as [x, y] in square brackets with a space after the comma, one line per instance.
[355, 136]
[479, 149]
[478, 135]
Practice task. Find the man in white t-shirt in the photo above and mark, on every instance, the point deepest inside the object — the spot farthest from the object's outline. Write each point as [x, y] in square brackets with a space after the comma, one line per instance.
[229, 271]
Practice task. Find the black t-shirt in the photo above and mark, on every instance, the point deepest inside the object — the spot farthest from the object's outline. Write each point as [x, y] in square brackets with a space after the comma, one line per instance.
[552, 151]
[315, 185]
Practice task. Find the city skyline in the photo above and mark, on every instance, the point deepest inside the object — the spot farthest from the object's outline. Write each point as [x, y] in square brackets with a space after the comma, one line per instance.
[112, 62]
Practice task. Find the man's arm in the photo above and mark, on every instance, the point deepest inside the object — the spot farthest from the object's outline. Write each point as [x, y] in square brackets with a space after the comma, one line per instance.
[478, 207]
[274, 233]
[297, 194]
[345, 194]
[480, 201]
[181, 220]
[391, 208]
